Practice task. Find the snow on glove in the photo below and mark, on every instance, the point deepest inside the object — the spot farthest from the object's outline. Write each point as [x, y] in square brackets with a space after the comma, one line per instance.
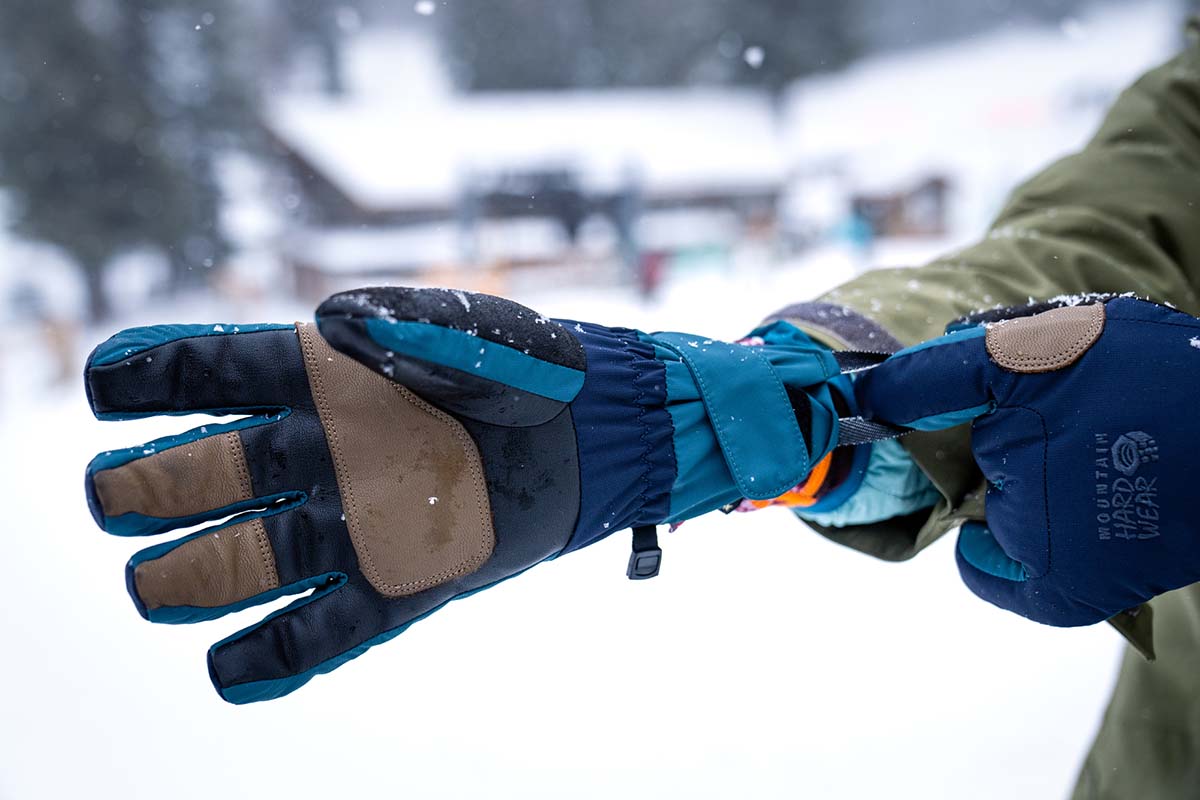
[480, 439]
[1085, 426]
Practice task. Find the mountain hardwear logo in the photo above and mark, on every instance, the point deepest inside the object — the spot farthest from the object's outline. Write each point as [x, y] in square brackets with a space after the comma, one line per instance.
[1132, 450]
[1126, 498]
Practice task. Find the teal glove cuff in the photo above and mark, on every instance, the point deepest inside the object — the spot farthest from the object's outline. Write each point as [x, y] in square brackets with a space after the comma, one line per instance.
[738, 410]
[751, 414]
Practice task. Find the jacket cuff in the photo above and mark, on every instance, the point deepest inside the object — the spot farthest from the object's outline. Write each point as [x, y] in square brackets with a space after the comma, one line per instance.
[838, 327]
[944, 456]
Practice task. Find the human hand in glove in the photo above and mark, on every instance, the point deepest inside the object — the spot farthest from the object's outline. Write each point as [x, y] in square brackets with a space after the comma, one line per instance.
[415, 446]
[1085, 424]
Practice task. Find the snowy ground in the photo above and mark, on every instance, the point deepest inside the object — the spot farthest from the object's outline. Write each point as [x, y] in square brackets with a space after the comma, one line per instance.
[764, 662]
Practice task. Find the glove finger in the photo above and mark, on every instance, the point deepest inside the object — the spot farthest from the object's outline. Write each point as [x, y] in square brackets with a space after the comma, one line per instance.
[988, 571]
[177, 481]
[938, 384]
[314, 635]
[993, 575]
[209, 574]
[1010, 446]
[175, 369]
[482, 357]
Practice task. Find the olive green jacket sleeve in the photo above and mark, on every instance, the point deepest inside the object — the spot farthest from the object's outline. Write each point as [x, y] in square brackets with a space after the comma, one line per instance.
[1122, 215]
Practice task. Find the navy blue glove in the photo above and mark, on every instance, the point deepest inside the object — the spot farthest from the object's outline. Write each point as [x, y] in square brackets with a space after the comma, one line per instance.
[478, 440]
[1085, 426]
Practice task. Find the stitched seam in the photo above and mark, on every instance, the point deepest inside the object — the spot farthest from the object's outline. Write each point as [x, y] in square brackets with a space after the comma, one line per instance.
[1045, 493]
[317, 381]
[352, 518]
[238, 452]
[1061, 359]
[268, 555]
[485, 516]
[642, 427]
[239, 465]
[1155, 322]
[719, 423]
[331, 435]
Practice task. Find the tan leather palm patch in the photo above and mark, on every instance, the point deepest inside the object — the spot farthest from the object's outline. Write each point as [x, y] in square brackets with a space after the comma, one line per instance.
[410, 475]
[217, 569]
[1048, 341]
[190, 479]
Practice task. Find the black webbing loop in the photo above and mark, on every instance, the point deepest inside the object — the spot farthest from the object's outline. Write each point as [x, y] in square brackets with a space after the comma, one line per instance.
[646, 557]
[856, 430]
[858, 360]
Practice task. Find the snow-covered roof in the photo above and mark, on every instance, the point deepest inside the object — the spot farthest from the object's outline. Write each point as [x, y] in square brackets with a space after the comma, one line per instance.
[400, 138]
[391, 145]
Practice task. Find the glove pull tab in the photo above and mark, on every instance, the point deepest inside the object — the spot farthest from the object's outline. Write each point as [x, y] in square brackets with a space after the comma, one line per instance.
[646, 557]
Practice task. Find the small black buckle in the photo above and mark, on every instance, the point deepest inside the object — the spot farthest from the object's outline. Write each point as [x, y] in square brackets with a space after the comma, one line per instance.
[646, 557]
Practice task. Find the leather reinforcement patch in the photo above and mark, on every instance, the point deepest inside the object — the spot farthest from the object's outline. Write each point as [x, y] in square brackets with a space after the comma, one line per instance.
[410, 476]
[1048, 341]
[217, 569]
[188, 479]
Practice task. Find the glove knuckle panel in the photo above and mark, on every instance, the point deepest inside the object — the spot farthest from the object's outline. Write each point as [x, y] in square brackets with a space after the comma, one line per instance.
[1048, 341]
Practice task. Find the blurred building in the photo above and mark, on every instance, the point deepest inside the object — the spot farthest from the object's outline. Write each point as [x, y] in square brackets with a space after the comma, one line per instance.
[395, 181]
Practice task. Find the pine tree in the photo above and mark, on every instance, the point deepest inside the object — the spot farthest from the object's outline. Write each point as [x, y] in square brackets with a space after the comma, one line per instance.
[550, 44]
[110, 116]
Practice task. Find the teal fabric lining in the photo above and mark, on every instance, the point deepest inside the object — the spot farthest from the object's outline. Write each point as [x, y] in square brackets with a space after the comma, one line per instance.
[845, 490]
[477, 356]
[893, 486]
[135, 341]
[949, 419]
[981, 550]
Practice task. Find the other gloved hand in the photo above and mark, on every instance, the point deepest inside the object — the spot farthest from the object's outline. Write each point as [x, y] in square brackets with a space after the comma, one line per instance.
[479, 439]
[1086, 428]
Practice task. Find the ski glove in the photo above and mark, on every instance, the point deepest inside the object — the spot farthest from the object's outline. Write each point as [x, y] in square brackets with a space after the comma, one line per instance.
[1084, 423]
[479, 439]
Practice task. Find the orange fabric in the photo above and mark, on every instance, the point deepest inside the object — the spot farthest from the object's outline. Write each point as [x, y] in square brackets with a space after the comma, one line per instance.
[805, 494]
